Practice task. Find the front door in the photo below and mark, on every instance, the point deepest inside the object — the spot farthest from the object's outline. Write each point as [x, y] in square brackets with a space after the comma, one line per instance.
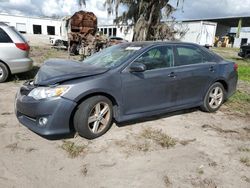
[152, 89]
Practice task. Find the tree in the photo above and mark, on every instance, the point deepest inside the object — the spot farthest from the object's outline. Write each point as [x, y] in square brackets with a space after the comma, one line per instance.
[81, 2]
[145, 17]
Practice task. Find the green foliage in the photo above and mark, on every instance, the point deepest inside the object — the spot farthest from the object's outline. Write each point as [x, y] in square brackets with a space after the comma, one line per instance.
[72, 149]
[244, 71]
[159, 137]
[146, 16]
[239, 102]
[245, 161]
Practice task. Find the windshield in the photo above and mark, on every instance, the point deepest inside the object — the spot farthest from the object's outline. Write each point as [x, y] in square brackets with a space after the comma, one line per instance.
[112, 56]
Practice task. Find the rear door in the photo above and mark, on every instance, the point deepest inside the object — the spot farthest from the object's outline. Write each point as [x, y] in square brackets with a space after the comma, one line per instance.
[152, 89]
[6, 44]
[194, 70]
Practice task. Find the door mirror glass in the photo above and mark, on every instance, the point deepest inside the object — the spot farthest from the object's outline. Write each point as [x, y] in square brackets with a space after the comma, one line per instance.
[137, 67]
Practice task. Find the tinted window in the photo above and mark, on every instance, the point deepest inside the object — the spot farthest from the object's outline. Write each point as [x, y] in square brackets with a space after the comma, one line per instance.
[187, 55]
[158, 57]
[4, 37]
[211, 56]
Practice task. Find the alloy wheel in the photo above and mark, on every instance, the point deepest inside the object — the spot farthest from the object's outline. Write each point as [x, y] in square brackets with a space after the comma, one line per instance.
[99, 117]
[215, 97]
[1, 73]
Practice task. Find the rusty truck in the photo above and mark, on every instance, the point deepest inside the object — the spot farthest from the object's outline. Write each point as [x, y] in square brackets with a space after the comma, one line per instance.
[79, 34]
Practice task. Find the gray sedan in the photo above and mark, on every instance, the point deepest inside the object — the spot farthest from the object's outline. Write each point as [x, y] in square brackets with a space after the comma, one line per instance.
[121, 83]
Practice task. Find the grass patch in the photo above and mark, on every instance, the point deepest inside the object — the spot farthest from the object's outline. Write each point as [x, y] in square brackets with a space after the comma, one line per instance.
[167, 181]
[246, 179]
[240, 102]
[72, 149]
[245, 161]
[142, 146]
[159, 137]
[41, 53]
[244, 72]
[13, 147]
[244, 149]
[200, 171]
[186, 142]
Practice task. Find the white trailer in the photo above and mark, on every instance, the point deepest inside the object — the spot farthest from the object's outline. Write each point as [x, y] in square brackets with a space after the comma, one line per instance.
[200, 32]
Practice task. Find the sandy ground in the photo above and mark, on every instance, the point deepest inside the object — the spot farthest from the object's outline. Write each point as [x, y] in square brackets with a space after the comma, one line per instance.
[209, 152]
[206, 154]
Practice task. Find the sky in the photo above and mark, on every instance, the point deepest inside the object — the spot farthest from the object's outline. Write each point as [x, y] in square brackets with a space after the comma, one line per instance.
[190, 9]
[193, 9]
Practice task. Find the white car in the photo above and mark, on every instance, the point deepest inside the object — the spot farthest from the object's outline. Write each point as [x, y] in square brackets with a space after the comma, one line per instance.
[14, 52]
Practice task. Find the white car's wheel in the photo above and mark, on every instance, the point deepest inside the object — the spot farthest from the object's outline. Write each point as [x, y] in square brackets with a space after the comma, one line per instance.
[4, 72]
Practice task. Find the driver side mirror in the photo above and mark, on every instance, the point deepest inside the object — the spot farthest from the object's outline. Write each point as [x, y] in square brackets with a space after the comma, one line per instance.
[137, 67]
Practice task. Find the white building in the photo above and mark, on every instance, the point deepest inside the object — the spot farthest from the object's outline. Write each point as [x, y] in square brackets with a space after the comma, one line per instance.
[33, 25]
[244, 38]
[117, 31]
[49, 26]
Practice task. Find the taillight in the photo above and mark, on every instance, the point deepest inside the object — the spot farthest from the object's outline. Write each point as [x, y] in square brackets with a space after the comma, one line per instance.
[23, 46]
[235, 67]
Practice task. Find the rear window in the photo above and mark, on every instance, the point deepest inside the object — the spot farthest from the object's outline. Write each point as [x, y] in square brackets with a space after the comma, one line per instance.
[213, 56]
[187, 55]
[19, 34]
[4, 37]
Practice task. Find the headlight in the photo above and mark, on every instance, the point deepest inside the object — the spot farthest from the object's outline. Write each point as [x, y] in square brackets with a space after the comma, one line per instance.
[47, 92]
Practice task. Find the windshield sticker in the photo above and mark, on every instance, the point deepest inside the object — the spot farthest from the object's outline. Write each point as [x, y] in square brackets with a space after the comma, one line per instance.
[133, 48]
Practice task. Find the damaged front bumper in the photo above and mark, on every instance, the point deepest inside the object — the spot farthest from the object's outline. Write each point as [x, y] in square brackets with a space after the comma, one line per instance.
[46, 116]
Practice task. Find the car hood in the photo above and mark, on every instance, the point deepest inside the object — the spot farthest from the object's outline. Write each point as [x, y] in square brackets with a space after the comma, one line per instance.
[55, 71]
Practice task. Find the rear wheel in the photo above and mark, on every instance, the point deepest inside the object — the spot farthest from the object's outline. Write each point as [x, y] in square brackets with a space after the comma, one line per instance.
[93, 117]
[214, 98]
[4, 72]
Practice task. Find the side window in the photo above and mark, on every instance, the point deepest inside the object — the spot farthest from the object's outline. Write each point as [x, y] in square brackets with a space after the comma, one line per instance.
[158, 57]
[4, 37]
[187, 55]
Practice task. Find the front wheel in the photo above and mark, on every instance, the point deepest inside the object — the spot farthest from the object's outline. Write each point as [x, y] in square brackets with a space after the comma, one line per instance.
[93, 117]
[214, 98]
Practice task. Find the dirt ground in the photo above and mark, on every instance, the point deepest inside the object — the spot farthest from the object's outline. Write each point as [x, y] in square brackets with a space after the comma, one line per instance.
[183, 149]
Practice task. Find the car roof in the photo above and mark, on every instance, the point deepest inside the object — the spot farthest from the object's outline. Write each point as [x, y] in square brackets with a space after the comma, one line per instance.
[3, 24]
[149, 43]
[146, 44]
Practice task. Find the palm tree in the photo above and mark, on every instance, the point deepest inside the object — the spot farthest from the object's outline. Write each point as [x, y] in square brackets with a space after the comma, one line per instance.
[145, 16]
[81, 2]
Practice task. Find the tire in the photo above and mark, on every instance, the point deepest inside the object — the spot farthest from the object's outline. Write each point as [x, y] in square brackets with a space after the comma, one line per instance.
[73, 49]
[214, 98]
[58, 43]
[4, 72]
[89, 121]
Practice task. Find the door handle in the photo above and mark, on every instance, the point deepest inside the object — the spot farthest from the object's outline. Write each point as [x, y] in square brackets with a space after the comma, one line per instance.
[172, 75]
[211, 68]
